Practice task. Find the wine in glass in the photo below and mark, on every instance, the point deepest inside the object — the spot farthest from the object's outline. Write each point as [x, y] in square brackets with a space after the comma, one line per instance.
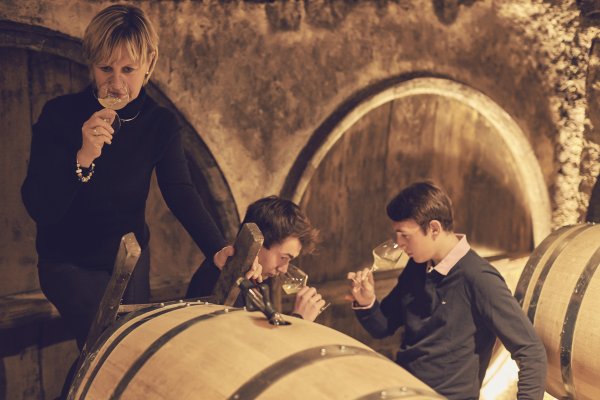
[386, 255]
[294, 280]
[114, 94]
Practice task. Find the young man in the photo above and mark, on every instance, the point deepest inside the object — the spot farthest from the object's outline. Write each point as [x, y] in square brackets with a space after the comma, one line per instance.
[451, 302]
[288, 233]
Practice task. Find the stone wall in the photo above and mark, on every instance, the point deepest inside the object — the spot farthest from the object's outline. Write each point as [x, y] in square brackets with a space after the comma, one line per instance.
[256, 79]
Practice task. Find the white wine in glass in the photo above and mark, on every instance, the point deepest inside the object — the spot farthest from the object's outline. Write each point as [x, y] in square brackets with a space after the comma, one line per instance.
[114, 103]
[293, 280]
[386, 255]
[115, 96]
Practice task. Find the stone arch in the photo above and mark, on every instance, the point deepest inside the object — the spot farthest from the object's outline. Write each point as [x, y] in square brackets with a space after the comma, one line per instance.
[529, 174]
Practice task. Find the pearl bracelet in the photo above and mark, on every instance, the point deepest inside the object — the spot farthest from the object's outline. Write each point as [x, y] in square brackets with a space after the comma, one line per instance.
[79, 172]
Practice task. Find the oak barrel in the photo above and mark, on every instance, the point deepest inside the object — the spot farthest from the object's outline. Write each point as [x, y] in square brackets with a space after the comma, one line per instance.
[206, 351]
[560, 293]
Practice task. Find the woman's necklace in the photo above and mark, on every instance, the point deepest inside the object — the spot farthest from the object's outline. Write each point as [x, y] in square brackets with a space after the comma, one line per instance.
[130, 119]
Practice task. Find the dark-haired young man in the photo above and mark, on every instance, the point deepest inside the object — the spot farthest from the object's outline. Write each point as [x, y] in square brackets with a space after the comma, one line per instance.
[451, 302]
[287, 233]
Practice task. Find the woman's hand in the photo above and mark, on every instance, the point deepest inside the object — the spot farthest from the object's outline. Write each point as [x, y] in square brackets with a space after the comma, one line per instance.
[221, 256]
[362, 287]
[95, 133]
[308, 303]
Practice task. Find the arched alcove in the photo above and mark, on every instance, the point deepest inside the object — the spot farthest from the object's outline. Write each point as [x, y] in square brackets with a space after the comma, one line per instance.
[420, 128]
[398, 132]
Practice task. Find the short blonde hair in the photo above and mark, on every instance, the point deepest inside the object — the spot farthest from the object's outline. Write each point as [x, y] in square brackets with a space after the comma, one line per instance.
[117, 26]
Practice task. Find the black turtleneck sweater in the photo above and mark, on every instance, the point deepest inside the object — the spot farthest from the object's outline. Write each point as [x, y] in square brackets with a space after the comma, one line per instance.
[82, 223]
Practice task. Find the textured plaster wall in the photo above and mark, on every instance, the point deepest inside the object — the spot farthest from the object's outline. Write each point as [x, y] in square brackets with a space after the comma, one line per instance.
[562, 42]
[256, 79]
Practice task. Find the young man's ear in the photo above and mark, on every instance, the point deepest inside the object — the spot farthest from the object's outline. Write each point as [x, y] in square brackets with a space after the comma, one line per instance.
[435, 227]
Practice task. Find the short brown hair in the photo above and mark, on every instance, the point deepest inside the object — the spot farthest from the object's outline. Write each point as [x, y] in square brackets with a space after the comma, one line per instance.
[279, 219]
[422, 202]
[117, 26]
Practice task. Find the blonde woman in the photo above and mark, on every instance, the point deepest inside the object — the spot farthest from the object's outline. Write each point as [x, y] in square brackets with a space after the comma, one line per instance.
[90, 168]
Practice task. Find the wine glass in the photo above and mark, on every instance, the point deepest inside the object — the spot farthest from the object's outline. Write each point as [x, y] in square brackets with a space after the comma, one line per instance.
[114, 94]
[295, 279]
[386, 255]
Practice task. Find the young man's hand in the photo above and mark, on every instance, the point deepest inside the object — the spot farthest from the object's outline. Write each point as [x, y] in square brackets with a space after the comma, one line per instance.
[308, 303]
[363, 287]
[255, 271]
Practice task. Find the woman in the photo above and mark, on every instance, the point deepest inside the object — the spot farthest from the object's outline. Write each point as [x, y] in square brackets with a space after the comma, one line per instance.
[87, 185]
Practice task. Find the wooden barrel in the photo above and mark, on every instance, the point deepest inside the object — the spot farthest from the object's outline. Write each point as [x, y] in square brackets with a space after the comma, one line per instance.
[206, 351]
[560, 294]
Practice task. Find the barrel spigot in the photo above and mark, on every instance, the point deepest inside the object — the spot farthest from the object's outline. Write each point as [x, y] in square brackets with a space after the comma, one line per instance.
[257, 298]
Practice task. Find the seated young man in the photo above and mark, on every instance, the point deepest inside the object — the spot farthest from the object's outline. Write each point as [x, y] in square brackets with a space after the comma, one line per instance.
[451, 302]
[288, 233]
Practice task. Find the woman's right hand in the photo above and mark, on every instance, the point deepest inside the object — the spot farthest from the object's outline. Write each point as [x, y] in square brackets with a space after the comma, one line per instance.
[95, 133]
[363, 287]
[254, 273]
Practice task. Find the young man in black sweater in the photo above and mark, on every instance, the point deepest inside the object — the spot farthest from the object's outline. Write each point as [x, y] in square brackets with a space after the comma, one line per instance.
[288, 233]
[452, 304]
